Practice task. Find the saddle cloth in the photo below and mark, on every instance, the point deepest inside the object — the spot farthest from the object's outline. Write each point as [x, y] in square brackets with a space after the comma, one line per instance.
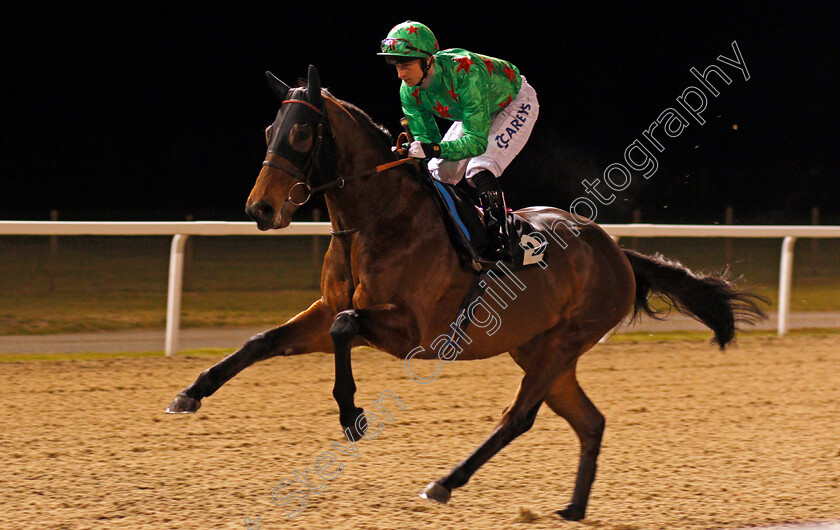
[465, 225]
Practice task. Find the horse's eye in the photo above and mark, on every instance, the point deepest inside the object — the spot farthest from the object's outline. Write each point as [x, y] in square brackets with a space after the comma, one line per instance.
[267, 135]
[300, 137]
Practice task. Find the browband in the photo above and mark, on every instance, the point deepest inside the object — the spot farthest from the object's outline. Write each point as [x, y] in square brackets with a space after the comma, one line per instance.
[302, 102]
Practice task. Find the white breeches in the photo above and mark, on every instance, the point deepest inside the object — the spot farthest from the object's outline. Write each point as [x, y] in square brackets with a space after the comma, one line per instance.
[510, 129]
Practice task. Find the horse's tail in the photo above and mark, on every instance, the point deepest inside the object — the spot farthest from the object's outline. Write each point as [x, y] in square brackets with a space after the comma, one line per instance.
[712, 299]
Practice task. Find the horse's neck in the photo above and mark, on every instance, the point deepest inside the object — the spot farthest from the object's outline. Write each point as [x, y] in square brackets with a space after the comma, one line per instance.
[390, 215]
[391, 195]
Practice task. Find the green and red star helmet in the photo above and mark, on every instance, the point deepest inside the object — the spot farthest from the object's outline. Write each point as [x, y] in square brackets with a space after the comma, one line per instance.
[410, 39]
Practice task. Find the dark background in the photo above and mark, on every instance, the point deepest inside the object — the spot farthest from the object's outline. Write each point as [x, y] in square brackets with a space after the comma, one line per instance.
[157, 111]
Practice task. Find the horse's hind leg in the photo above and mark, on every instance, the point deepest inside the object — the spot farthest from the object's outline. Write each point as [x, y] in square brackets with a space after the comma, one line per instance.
[567, 399]
[307, 332]
[545, 365]
[517, 419]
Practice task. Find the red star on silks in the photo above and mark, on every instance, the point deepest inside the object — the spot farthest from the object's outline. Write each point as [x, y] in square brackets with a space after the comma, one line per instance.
[453, 93]
[412, 30]
[506, 102]
[489, 65]
[463, 64]
[443, 111]
[510, 73]
[416, 95]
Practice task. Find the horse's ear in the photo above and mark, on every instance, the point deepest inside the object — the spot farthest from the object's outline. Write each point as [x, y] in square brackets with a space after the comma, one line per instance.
[314, 84]
[279, 87]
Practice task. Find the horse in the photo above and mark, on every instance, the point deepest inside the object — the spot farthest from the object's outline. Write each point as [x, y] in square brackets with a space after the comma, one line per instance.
[393, 280]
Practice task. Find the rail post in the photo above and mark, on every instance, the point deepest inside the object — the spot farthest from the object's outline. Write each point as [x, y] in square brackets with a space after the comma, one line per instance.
[729, 218]
[785, 281]
[174, 292]
[317, 259]
[53, 258]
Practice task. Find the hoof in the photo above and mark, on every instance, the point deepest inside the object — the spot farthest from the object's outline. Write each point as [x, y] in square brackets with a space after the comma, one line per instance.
[183, 404]
[353, 433]
[436, 492]
[572, 513]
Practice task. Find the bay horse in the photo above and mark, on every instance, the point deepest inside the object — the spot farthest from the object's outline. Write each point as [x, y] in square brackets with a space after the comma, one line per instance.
[392, 280]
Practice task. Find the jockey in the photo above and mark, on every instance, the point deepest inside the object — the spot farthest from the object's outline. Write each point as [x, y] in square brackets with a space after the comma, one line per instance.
[493, 108]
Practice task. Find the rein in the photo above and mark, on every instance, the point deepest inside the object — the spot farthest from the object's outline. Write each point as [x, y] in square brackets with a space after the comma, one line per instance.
[339, 182]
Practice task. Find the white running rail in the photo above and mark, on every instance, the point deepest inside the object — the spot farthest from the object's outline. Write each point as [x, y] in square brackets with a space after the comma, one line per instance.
[182, 230]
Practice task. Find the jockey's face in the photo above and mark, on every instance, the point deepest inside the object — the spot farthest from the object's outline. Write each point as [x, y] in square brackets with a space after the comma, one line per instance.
[411, 72]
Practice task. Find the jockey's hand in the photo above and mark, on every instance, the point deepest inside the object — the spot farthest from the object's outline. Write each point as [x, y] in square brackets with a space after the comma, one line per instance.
[423, 150]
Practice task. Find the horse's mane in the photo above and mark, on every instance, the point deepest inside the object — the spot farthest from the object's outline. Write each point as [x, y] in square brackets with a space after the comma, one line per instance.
[377, 130]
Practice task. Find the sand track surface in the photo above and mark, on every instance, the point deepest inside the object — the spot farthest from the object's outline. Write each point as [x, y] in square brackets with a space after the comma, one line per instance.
[696, 438]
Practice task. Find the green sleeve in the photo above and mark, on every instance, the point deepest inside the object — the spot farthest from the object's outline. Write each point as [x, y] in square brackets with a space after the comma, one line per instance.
[475, 120]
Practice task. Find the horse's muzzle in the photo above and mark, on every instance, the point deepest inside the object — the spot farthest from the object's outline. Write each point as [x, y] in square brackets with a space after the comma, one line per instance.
[263, 213]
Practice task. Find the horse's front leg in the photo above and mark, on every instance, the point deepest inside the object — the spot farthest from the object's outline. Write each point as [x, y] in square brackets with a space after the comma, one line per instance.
[305, 333]
[388, 327]
[344, 330]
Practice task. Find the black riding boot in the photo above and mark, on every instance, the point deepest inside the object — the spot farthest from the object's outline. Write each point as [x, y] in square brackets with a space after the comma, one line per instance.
[495, 214]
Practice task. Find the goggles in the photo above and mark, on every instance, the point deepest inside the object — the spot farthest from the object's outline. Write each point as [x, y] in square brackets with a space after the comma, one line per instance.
[390, 45]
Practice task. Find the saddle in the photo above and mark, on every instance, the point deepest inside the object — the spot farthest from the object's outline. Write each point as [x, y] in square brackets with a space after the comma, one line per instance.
[465, 226]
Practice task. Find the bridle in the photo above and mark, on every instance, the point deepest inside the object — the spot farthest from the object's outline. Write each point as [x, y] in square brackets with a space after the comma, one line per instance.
[312, 162]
